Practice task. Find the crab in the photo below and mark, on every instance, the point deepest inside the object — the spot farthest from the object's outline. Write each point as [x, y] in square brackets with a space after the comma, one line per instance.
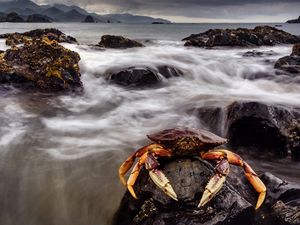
[183, 141]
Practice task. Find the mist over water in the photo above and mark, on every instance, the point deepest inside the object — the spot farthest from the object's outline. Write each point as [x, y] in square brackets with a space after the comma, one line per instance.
[59, 155]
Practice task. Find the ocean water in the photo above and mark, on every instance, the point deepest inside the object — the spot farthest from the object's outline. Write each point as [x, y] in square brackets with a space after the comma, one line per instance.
[60, 154]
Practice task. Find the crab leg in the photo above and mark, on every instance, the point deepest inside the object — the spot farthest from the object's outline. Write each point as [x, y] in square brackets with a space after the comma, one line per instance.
[216, 182]
[158, 177]
[238, 161]
[146, 155]
[130, 160]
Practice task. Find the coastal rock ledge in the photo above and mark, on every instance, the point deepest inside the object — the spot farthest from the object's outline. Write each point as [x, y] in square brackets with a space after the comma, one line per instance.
[242, 37]
[41, 64]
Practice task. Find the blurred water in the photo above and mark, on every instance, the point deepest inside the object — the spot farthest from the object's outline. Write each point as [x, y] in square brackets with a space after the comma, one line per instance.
[60, 154]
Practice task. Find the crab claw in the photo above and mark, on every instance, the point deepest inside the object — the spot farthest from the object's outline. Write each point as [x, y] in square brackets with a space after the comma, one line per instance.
[163, 183]
[212, 188]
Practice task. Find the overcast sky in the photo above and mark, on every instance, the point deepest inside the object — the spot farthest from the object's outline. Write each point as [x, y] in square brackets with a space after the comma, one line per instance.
[197, 10]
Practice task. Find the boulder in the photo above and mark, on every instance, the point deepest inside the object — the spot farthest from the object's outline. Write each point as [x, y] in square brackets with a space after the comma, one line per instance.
[282, 202]
[44, 64]
[143, 76]
[112, 41]
[261, 35]
[258, 127]
[133, 76]
[290, 64]
[38, 18]
[50, 33]
[188, 177]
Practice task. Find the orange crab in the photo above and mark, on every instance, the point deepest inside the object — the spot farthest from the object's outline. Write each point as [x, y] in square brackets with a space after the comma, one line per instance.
[186, 141]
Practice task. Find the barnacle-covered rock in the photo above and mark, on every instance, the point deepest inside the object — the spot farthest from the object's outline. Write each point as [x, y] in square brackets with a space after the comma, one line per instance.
[260, 35]
[50, 33]
[43, 63]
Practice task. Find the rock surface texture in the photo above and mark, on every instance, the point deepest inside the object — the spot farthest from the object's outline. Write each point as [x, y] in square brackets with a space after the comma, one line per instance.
[188, 177]
[50, 33]
[261, 35]
[264, 128]
[44, 64]
[112, 41]
[291, 63]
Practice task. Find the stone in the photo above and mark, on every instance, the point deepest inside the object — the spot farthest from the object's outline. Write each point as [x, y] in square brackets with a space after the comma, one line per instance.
[44, 64]
[112, 41]
[242, 37]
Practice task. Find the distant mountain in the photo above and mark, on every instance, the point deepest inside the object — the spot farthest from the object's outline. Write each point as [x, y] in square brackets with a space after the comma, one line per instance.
[129, 18]
[65, 13]
[18, 4]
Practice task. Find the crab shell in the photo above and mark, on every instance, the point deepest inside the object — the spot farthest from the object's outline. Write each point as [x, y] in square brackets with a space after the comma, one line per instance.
[185, 141]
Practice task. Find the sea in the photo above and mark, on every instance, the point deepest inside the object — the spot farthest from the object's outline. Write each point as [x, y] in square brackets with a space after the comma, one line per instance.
[59, 154]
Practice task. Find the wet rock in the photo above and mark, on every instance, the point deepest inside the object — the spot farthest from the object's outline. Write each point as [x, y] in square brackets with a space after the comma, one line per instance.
[188, 177]
[256, 127]
[296, 50]
[50, 33]
[143, 76]
[282, 202]
[255, 53]
[44, 64]
[290, 64]
[133, 76]
[261, 35]
[111, 41]
[169, 71]
[37, 18]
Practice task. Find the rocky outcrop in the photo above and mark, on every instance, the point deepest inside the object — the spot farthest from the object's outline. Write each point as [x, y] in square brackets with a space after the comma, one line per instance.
[256, 127]
[282, 202]
[290, 64]
[261, 35]
[232, 205]
[37, 18]
[142, 76]
[89, 19]
[188, 177]
[42, 64]
[294, 21]
[49, 33]
[111, 41]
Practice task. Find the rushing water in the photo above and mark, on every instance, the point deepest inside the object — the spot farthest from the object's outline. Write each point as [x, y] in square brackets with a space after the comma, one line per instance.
[60, 154]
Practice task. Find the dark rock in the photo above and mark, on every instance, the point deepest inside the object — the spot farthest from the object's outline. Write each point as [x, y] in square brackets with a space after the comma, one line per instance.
[257, 127]
[296, 50]
[143, 76]
[134, 76]
[261, 35]
[282, 202]
[188, 177]
[50, 33]
[89, 19]
[255, 53]
[290, 64]
[44, 64]
[111, 41]
[294, 21]
[37, 18]
[168, 71]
